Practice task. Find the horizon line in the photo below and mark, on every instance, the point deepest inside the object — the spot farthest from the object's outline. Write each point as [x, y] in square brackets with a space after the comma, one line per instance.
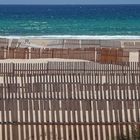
[72, 4]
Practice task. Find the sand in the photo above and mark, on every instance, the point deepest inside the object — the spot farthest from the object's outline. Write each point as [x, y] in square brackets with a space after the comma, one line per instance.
[40, 60]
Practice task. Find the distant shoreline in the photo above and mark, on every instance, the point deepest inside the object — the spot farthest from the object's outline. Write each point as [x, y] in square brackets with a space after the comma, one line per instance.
[102, 37]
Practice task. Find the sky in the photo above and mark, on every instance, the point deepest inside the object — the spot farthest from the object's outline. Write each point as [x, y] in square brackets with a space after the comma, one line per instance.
[69, 1]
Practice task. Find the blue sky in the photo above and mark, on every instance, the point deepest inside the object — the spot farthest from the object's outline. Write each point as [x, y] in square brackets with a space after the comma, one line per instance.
[69, 1]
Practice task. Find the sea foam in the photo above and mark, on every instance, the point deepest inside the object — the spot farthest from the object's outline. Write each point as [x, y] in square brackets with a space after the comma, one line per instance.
[102, 37]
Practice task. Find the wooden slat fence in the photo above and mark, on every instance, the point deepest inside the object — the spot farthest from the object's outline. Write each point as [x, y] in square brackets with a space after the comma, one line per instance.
[91, 106]
[68, 67]
[101, 54]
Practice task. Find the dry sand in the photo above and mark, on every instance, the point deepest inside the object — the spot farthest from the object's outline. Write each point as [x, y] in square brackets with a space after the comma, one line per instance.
[40, 60]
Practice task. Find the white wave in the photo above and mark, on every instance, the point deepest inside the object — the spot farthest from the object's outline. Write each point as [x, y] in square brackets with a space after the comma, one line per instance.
[103, 37]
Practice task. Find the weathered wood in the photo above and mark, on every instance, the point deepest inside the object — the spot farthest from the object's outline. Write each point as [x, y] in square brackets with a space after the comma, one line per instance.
[69, 105]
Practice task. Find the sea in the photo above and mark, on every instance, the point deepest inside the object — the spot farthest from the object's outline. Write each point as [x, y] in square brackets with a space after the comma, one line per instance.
[97, 21]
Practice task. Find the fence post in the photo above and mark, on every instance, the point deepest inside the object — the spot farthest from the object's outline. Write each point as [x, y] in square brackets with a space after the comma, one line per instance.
[52, 53]
[80, 43]
[29, 53]
[13, 68]
[63, 44]
[84, 67]
[5, 52]
[95, 57]
[40, 52]
[14, 53]
[47, 67]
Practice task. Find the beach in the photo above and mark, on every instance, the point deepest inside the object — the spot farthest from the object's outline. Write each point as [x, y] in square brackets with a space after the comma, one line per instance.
[69, 72]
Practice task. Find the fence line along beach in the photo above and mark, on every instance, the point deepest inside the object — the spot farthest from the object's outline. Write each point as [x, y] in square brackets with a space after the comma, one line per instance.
[97, 50]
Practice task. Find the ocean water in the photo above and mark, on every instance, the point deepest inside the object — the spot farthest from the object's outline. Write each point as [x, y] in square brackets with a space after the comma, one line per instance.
[70, 20]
